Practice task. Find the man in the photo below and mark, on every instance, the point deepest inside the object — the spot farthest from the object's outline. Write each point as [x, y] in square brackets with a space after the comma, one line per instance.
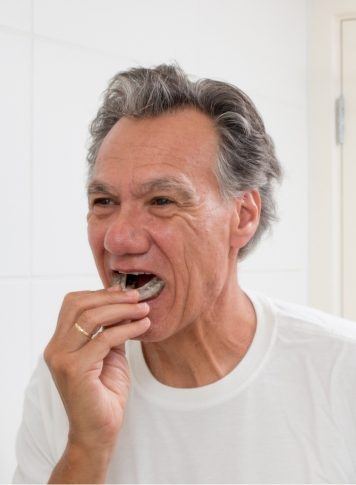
[217, 384]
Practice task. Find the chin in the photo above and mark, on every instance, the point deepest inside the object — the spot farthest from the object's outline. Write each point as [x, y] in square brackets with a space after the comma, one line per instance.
[146, 337]
[155, 333]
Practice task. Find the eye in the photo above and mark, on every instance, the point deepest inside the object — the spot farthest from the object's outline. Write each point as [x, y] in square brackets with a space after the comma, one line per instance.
[161, 201]
[102, 201]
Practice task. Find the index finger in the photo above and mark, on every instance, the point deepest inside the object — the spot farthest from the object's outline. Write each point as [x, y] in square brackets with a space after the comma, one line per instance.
[77, 302]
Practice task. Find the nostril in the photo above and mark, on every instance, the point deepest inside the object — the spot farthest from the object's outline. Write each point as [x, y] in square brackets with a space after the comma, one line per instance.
[122, 238]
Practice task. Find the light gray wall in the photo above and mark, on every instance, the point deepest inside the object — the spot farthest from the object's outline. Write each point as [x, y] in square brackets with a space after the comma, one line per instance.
[56, 59]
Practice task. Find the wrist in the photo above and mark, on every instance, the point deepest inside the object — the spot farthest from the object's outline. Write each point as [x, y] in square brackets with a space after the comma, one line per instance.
[90, 443]
[80, 464]
[88, 453]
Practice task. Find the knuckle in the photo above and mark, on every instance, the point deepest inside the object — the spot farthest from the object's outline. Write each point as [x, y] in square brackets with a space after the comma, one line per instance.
[73, 299]
[70, 298]
[47, 354]
[86, 319]
[54, 362]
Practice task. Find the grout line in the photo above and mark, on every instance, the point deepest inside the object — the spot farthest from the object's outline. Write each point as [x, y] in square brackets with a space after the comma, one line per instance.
[67, 43]
[15, 31]
[78, 46]
[32, 178]
[47, 277]
[341, 188]
[270, 271]
[307, 151]
[31, 243]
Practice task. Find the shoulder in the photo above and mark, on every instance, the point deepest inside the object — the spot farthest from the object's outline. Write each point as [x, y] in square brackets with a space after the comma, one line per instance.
[310, 335]
[326, 340]
[311, 320]
[313, 345]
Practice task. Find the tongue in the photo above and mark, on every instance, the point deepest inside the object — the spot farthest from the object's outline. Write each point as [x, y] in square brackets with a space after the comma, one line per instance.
[142, 279]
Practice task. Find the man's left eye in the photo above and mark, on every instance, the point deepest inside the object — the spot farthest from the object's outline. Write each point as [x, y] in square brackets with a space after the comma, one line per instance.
[161, 201]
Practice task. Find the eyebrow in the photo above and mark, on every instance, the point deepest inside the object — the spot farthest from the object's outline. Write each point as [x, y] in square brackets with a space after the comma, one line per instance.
[167, 184]
[99, 187]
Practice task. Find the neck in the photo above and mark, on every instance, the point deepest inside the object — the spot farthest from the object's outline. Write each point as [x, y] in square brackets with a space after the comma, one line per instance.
[210, 347]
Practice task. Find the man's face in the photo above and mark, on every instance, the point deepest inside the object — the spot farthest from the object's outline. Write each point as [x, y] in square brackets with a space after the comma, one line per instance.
[155, 207]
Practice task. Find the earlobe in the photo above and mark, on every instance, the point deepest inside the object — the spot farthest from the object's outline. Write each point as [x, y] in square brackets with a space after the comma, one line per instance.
[246, 218]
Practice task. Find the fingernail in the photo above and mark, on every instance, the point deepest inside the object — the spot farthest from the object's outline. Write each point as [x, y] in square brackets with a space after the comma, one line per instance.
[143, 306]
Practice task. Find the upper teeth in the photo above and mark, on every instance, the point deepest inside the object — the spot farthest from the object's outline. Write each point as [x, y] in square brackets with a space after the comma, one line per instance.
[122, 272]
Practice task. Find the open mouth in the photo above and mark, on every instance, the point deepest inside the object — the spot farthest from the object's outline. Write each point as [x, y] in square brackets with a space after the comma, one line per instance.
[147, 284]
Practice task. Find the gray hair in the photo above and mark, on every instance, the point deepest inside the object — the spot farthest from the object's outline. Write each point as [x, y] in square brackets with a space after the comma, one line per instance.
[246, 156]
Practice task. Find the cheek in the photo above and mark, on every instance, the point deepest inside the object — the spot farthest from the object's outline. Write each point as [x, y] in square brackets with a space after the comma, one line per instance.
[211, 256]
[96, 235]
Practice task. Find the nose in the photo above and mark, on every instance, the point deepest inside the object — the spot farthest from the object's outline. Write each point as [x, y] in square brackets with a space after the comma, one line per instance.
[126, 235]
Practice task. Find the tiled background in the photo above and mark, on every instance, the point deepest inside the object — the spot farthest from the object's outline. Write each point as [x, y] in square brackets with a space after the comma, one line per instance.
[56, 58]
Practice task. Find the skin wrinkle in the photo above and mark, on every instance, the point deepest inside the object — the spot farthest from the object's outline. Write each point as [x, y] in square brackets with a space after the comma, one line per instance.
[169, 184]
[164, 184]
[202, 322]
[214, 364]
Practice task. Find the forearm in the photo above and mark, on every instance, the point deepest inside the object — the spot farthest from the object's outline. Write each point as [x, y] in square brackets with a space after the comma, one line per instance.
[80, 466]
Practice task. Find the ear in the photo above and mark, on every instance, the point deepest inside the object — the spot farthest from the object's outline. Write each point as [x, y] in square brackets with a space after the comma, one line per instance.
[245, 219]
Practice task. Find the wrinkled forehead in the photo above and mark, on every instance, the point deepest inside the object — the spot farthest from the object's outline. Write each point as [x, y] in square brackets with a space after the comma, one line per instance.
[187, 136]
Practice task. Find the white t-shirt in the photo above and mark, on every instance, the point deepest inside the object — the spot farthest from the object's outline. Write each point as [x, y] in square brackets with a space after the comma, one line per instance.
[285, 414]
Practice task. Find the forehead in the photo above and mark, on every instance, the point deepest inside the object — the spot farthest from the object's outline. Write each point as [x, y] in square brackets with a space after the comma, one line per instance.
[184, 142]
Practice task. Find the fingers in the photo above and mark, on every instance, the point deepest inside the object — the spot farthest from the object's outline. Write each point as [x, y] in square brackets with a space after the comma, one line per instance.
[74, 304]
[104, 316]
[97, 349]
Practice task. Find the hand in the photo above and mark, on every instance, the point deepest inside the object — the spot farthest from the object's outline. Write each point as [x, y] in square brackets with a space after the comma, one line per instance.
[92, 375]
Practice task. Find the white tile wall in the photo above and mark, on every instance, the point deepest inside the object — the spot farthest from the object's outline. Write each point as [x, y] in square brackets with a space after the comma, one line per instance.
[15, 356]
[15, 129]
[244, 48]
[283, 285]
[56, 70]
[16, 14]
[139, 30]
[286, 247]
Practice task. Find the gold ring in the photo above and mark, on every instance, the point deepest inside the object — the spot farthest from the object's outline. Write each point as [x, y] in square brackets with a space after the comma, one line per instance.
[81, 330]
[95, 334]
[84, 332]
